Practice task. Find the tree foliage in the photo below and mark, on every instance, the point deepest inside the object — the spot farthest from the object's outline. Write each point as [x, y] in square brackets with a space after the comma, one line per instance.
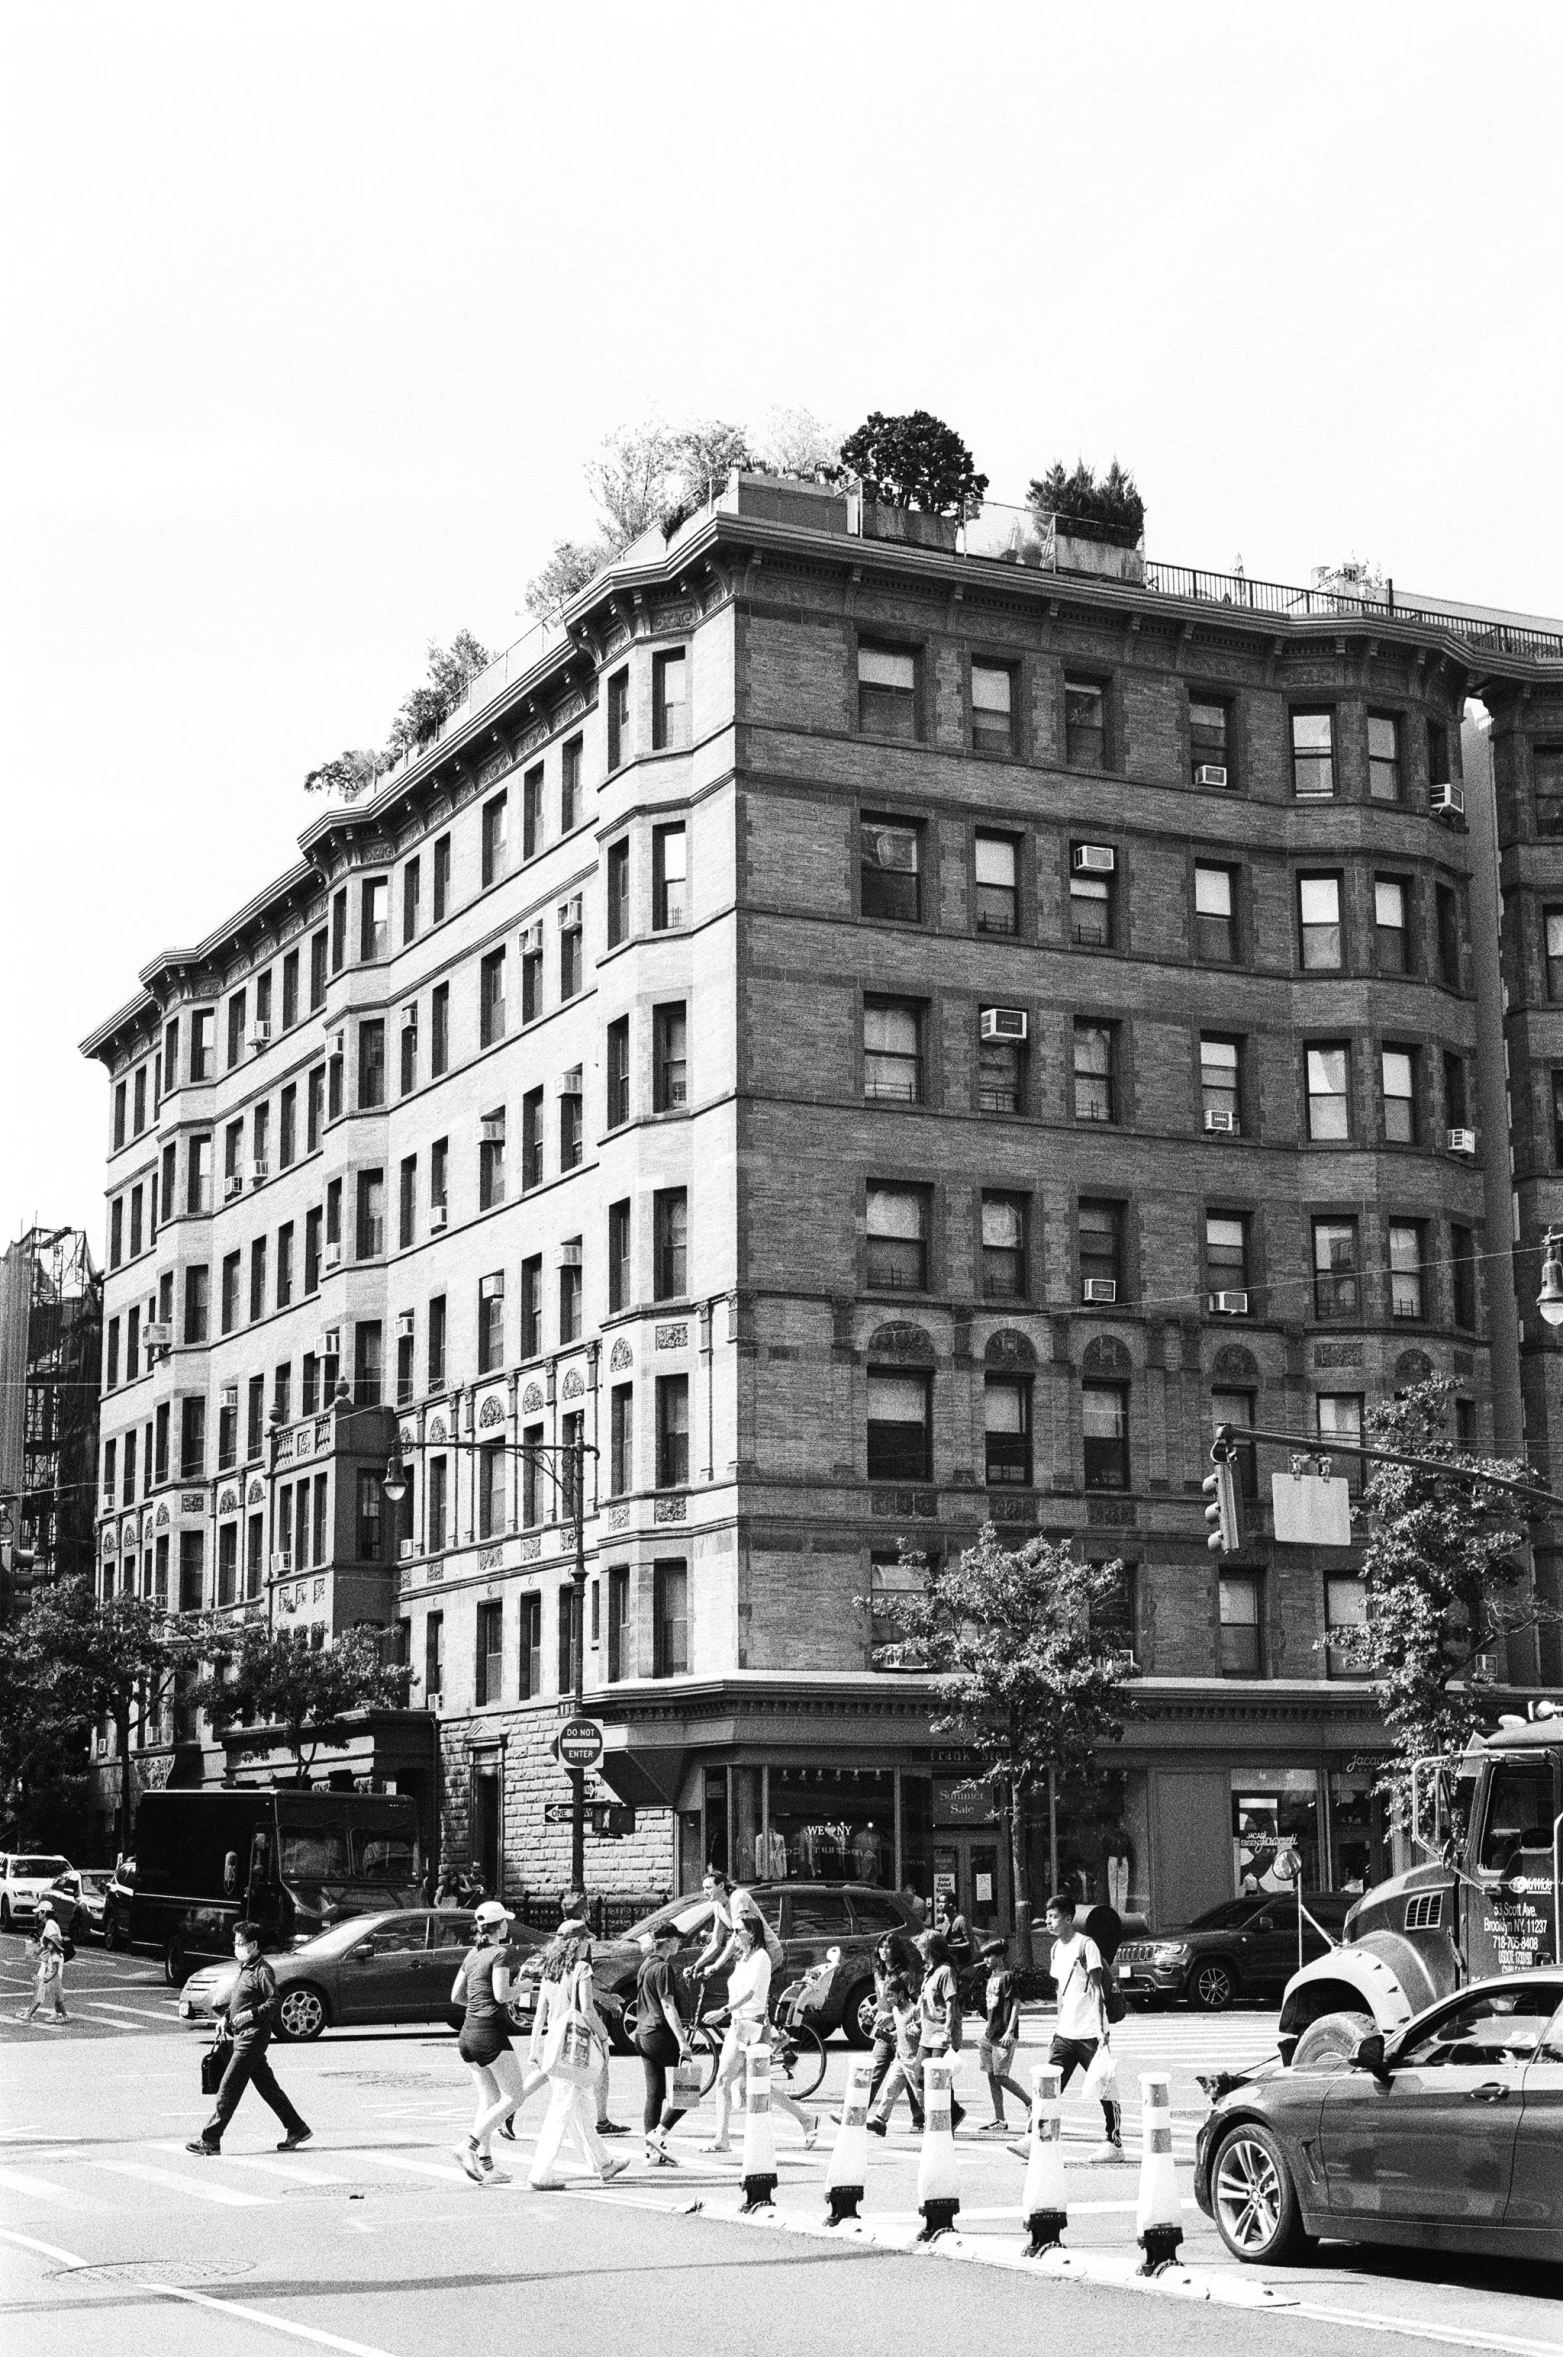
[647, 474]
[1023, 1679]
[277, 1682]
[793, 443]
[420, 716]
[1109, 509]
[1444, 1581]
[917, 461]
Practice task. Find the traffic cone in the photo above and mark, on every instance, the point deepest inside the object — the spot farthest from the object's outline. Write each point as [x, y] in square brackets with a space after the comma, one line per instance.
[848, 2166]
[1044, 2205]
[938, 2188]
[1158, 2214]
[759, 2162]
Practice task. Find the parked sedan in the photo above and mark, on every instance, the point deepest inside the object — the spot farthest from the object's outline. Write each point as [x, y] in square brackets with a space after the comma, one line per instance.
[80, 1902]
[25, 1880]
[371, 1968]
[1243, 1948]
[1446, 2135]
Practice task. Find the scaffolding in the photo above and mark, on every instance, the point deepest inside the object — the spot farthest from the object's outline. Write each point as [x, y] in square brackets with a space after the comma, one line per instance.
[51, 1344]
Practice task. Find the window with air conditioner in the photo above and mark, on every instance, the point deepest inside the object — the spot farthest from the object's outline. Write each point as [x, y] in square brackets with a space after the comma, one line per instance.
[1001, 1060]
[491, 1161]
[1091, 890]
[1220, 1084]
[889, 870]
[1226, 1262]
[1210, 754]
[1101, 1250]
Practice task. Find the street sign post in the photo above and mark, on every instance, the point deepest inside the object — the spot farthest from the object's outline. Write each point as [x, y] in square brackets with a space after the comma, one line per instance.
[579, 1743]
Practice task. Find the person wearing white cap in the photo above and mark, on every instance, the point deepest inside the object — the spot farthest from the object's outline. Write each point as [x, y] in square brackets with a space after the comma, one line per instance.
[569, 2040]
[482, 1985]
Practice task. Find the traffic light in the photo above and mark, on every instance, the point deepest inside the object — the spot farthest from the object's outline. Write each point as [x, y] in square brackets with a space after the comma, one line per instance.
[1225, 1536]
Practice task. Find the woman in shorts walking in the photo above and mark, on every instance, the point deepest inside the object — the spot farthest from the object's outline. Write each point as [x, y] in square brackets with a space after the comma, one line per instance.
[482, 1986]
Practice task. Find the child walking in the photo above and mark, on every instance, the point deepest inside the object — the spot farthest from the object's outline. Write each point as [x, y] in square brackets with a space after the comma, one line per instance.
[1000, 2036]
[49, 1983]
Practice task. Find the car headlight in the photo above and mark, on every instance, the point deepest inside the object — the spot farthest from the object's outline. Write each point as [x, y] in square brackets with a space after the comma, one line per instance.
[1170, 1952]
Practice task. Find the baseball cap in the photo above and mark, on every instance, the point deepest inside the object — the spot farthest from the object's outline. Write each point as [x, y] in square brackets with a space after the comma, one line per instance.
[491, 1912]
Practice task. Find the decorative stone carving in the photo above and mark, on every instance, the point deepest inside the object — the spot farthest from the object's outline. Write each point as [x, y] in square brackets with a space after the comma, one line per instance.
[192, 1501]
[491, 1558]
[288, 1600]
[1413, 1366]
[436, 1571]
[621, 1355]
[901, 1341]
[490, 1414]
[1012, 1506]
[405, 1436]
[303, 1441]
[672, 1509]
[920, 1502]
[574, 1384]
[284, 1446]
[1009, 1349]
[320, 1589]
[437, 1429]
[672, 1337]
[1111, 1513]
[228, 1503]
[1106, 1355]
[1337, 1354]
[110, 1542]
[532, 1400]
[1234, 1366]
[257, 1493]
[618, 1518]
[530, 1549]
[162, 1517]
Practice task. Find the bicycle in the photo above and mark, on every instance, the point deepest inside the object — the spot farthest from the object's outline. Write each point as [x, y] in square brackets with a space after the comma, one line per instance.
[797, 2053]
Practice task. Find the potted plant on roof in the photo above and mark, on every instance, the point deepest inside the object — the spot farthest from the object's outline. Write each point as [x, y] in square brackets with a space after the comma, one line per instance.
[916, 479]
[1094, 527]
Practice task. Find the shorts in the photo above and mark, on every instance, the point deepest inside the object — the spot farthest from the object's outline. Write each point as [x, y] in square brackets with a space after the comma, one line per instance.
[480, 2042]
[994, 2061]
[1075, 2054]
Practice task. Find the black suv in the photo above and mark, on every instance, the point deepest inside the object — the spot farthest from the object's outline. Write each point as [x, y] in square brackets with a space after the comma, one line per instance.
[1243, 1948]
[807, 1917]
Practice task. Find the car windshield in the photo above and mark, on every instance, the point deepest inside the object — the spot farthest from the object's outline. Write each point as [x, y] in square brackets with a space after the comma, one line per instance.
[316, 1855]
[384, 1857]
[1230, 1912]
[40, 1869]
[342, 1936]
[680, 1916]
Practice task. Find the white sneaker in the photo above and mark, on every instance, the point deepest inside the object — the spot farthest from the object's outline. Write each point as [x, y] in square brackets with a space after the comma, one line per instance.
[1111, 2150]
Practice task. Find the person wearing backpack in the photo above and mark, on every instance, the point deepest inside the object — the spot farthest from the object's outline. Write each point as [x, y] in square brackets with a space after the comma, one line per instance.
[1082, 2030]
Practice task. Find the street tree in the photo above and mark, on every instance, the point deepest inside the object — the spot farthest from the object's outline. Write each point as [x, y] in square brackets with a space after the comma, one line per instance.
[277, 1682]
[1445, 1583]
[76, 1660]
[1024, 1678]
[917, 460]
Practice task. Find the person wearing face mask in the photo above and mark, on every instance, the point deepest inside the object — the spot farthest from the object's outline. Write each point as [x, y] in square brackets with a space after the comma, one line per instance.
[252, 2010]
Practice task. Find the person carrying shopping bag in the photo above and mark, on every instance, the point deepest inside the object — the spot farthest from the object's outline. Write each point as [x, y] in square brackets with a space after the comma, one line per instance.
[568, 2038]
[748, 2008]
[1081, 2039]
[482, 1987]
[663, 2039]
[252, 2009]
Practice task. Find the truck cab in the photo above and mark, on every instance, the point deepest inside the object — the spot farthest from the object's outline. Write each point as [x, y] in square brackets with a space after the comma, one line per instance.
[1488, 1899]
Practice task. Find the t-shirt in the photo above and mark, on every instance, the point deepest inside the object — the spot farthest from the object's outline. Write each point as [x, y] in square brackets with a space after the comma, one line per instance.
[478, 1973]
[749, 1987]
[935, 2001]
[1080, 2012]
[999, 1997]
[742, 1904]
[654, 1986]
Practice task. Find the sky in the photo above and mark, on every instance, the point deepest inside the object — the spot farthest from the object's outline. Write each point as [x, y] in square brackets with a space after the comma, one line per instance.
[314, 315]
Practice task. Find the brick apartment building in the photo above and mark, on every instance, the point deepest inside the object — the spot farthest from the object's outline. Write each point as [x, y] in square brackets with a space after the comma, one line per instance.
[874, 1038]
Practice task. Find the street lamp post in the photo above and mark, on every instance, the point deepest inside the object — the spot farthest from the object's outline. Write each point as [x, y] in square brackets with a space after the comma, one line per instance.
[571, 1485]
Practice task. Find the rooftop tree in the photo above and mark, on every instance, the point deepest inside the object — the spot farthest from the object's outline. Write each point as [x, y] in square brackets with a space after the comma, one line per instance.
[421, 715]
[1023, 1678]
[1111, 509]
[917, 461]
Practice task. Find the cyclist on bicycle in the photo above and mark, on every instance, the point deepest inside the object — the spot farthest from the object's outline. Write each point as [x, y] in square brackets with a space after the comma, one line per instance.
[748, 2006]
[730, 1904]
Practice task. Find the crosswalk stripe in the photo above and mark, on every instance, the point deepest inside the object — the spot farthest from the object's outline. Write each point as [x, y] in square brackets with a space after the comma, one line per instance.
[397, 2160]
[227, 2195]
[18, 2181]
[306, 2175]
[90, 2015]
[134, 2012]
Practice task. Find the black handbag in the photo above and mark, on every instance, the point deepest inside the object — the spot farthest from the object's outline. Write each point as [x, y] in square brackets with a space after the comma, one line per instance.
[214, 2061]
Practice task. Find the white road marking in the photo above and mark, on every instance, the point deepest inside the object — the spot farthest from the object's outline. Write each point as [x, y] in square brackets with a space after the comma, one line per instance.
[173, 2291]
[397, 2160]
[203, 2190]
[39, 2188]
[90, 2013]
[1454, 2336]
[135, 2012]
[306, 2174]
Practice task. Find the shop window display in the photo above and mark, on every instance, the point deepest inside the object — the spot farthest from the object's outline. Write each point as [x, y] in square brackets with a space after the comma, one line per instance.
[838, 1824]
[1275, 1830]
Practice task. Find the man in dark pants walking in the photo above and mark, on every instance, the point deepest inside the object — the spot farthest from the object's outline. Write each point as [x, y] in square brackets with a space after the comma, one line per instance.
[251, 2010]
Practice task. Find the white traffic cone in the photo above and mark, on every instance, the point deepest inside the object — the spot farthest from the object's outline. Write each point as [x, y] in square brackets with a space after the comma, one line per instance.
[759, 2161]
[848, 2167]
[1044, 2206]
[1158, 2213]
[938, 2187]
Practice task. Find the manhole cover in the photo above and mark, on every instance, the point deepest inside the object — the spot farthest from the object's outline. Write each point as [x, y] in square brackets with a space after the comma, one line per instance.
[344, 2192]
[382, 2078]
[182, 2273]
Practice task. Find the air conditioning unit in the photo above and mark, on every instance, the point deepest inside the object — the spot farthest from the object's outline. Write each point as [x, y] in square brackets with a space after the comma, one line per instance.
[336, 1039]
[1211, 773]
[1002, 1023]
[260, 1035]
[532, 939]
[230, 1395]
[404, 1327]
[568, 1255]
[1104, 1289]
[1227, 1305]
[331, 1343]
[1447, 802]
[406, 1549]
[493, 1129]
[1461, 1141]
[1094, 859]
[158, 1337]
[260, 1172]
[569, 912]
[333, 1256]
[281, 1562]
[438, 1214]
[233, 1185]
[568, 1083]
[1225, 1122]
[410, 1015]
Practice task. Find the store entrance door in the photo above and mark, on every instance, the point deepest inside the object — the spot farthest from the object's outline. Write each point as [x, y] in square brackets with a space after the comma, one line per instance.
[974, 1867]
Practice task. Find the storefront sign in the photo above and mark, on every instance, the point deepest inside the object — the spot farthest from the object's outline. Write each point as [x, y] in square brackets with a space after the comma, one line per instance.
[963, 1804]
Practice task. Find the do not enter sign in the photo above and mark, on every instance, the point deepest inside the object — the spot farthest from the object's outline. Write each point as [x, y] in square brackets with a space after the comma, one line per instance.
[579, 1743]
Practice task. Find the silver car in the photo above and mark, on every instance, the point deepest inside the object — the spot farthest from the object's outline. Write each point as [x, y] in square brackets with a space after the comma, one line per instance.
[1445, 2135]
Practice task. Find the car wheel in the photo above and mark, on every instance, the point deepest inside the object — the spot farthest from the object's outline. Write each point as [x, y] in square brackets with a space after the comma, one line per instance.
[176, 1964]
[1212, 1985]
[857, 2015]
[1254, 2199]
[301, 2014]
[1330, 2042]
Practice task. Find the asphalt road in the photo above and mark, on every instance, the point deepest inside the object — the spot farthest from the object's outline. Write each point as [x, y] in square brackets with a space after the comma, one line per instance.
[371, 2241]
